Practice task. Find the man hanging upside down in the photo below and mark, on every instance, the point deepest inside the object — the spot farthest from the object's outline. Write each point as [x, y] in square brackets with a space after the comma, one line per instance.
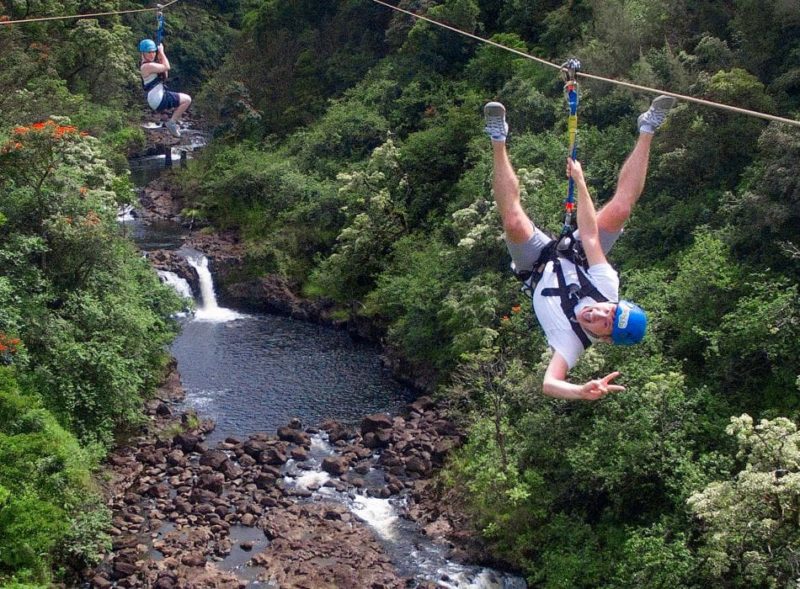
[576, 306]
[154, 68]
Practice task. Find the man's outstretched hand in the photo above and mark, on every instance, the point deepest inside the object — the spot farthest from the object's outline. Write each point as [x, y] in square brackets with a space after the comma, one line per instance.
[599, 388]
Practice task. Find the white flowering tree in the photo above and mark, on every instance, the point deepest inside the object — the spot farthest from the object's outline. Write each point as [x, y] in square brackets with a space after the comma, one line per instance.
[751, 524]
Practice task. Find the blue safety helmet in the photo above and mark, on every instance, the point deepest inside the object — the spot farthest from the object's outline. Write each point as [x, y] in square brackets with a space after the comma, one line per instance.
[630, 323]
[146, 45]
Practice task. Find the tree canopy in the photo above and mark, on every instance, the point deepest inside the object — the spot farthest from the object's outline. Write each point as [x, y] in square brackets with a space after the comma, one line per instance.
[348, 154]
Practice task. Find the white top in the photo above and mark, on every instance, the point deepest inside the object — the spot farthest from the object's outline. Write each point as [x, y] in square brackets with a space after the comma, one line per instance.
[156, 92]
[548, 310]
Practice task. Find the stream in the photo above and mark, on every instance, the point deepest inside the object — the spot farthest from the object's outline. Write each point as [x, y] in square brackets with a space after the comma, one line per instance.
[254, 373]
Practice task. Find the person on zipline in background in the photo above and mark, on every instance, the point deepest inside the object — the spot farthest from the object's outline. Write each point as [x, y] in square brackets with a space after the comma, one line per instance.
[594, 312]
[154, 69]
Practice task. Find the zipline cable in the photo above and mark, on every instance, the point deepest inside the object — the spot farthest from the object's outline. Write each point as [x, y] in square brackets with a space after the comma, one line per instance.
[702, 101]
[43, 18]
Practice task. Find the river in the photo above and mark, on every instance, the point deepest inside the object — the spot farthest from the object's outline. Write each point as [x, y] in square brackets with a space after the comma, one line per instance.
[254, 373]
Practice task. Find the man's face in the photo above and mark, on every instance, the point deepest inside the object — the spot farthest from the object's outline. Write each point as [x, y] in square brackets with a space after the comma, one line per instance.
[598, 319]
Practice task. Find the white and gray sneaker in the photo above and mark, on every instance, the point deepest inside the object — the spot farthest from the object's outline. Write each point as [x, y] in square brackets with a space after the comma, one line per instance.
[172, 127]
[654, 117]
[496, 127]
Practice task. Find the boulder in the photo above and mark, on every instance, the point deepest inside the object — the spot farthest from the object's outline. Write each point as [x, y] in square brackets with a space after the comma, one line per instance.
[214, 458]
[421, 405]
[186, 441]
[273, 456]
[375, 422]
[335, 465]
[294, 435]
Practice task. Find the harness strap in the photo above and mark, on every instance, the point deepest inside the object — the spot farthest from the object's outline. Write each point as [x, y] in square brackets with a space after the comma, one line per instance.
[152, 83]
[588, 289]
[531, 277]
[566, 246]
[569, 295]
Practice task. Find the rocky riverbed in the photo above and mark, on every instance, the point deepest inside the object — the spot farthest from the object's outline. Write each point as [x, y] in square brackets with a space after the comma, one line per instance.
[178, 503]
[182, 508]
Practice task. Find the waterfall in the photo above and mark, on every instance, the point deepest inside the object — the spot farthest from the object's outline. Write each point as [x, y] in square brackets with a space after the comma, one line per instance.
[176, 282]
[125, 213]
[208, 309]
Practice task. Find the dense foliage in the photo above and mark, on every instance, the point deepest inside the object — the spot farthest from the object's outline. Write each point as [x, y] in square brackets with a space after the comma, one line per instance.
[84, 324]
[361, 173]
[84, 321]
[350, 157]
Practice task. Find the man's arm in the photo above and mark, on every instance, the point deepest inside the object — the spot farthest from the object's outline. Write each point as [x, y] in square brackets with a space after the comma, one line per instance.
[153, 68]
[587, 217]
[556, 385]
[160, 66]
[162, 59]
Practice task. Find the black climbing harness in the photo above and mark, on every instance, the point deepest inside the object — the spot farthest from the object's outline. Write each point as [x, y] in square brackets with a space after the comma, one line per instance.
[568, 294]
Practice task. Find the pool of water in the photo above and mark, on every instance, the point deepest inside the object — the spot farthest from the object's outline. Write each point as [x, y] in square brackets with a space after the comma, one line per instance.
[256, 373]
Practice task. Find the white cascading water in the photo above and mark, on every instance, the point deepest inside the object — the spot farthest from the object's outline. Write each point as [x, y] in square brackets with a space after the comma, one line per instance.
[179, 284]
[125, 214]
[378, 513]
[400, 537]
[209, 310]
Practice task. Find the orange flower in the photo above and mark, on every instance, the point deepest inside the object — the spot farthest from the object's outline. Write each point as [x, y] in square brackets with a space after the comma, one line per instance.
[515, 309]
[505, 319]
[83, 190]
[61, 130]
[21, 130]
[40, 125]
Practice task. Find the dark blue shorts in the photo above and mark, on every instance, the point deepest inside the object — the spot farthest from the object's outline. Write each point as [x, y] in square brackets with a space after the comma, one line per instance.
[169, 101]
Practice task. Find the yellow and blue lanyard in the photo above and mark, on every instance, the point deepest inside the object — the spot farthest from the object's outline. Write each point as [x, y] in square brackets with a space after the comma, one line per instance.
[569, 71]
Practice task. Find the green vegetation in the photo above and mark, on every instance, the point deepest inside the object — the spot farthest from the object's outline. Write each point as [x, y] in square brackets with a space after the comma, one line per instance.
[348, 154]
[83, 330]
[84, 321]
[364, 177]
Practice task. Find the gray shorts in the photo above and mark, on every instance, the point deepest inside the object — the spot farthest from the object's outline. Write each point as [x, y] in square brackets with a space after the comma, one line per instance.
[524, 255]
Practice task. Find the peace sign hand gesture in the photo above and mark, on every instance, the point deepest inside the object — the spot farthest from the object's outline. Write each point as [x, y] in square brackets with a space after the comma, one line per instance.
[599, 388]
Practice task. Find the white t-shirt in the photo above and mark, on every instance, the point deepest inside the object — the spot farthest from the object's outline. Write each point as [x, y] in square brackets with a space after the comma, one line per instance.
[548, 310]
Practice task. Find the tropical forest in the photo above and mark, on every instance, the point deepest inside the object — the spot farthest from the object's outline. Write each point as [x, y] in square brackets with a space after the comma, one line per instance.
[347, 156]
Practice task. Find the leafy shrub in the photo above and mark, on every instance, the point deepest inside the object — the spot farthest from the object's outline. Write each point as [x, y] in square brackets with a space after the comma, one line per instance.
[348, 132]
[49, 509]
[750, 524]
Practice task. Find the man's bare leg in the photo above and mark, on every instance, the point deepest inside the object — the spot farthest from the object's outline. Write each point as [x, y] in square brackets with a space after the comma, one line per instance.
[505, 184]
[633, 174]
[630, 184]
